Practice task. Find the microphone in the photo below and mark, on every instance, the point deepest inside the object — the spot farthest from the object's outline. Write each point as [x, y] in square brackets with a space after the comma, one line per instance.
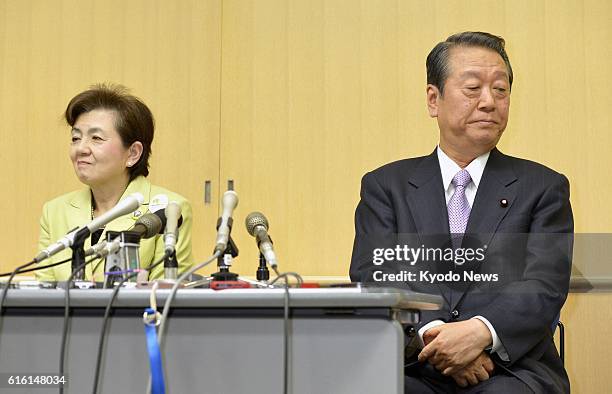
[162, 215]
[147, 226]
[229, 202]
[127, 205]
[65, 242]
[173, 215]
[257, 225]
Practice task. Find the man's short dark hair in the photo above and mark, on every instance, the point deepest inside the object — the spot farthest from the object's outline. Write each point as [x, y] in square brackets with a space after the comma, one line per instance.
[437, 60]
[134, 120]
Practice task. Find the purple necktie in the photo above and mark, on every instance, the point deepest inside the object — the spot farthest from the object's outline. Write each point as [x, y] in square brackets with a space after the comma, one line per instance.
[458, 207]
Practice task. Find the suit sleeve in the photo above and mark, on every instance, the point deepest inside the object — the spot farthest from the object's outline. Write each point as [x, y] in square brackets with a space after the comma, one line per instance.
[375, 227]
[534, 301]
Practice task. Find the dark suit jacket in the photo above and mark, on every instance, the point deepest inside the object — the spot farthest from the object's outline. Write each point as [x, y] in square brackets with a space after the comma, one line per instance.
[528, 242]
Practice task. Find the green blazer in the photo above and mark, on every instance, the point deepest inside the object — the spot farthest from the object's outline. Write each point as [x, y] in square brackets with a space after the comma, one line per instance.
[71, 210]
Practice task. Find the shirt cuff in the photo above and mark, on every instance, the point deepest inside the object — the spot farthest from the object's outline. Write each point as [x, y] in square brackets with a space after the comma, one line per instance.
[497, 346]
[431, 324]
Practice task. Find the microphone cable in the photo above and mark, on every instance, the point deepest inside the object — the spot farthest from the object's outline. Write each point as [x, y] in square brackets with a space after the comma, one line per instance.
[37, 268]
[107, 311]
[10, 279]
[12, 275]
[166, 310]
[173, 292]
[286, 333]
[67, 316]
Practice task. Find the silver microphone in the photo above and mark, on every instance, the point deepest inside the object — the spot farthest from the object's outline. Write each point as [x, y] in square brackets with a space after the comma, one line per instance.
[173, 214]
[257, 225]
[127, 205]
[229, 202]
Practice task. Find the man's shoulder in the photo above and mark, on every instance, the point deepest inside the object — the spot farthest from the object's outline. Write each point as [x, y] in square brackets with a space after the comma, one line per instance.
[400, 168]
[526, 168]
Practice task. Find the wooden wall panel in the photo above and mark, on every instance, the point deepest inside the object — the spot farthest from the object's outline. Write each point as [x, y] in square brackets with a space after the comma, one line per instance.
[316, 93]
[168, 53]
[588, 339]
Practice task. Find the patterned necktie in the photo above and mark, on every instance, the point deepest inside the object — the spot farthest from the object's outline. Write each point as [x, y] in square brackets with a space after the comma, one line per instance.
[458, 207]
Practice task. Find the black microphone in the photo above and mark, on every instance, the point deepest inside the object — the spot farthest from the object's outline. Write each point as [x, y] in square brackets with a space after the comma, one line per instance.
[147, 226]
[162, 215]
[257, 225]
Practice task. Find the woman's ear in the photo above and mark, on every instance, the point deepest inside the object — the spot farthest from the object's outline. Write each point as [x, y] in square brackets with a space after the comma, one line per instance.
[135, 151]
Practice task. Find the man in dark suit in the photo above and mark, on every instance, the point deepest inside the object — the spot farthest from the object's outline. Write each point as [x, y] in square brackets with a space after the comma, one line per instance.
[506, 224]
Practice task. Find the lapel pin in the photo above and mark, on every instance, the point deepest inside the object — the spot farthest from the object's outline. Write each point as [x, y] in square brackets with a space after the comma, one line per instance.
[503, 202]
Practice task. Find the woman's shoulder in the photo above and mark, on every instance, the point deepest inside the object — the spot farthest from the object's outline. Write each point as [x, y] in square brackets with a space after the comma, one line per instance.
[172, 196]
[71, 198]
[153, 192]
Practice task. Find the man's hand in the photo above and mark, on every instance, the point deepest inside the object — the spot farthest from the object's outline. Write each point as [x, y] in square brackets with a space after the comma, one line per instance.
[452, 346]
[475, 372]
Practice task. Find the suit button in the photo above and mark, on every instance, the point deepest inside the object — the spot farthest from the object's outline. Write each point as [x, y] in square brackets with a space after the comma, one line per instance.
[455, 314]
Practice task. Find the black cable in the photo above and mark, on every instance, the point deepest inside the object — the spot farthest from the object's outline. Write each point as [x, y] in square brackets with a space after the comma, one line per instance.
[158, 262]
[42, 267]
[104, 328]
[95, 268]
[105, 322]
[11, 275]
[66, 318]
[8, 284]
[10, 279]
[155, 264]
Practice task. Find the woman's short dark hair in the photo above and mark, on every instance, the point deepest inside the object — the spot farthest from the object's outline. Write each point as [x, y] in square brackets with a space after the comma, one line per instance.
[134, 120]
[437, 60]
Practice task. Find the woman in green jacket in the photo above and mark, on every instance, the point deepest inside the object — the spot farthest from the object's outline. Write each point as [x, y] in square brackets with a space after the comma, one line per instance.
[111, 136]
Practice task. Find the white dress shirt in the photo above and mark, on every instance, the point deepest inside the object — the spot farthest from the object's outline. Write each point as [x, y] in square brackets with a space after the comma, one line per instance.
[449, 168]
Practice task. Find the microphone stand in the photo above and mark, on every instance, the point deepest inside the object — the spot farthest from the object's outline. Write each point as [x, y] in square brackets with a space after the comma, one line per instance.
[171, 267]
[263, 274]
[224, 273]
[78, 252]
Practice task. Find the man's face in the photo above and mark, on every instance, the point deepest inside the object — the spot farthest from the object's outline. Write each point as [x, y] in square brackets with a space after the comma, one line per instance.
[473, 111]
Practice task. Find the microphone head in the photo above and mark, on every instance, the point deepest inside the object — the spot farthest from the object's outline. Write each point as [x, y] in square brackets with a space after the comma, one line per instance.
[139, 197]
[162, 215]
[255, 219]
[173, 214]
[230, 200]
[152, 223]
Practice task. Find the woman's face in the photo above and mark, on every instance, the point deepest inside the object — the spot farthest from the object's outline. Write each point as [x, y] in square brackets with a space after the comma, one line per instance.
[97, 152]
